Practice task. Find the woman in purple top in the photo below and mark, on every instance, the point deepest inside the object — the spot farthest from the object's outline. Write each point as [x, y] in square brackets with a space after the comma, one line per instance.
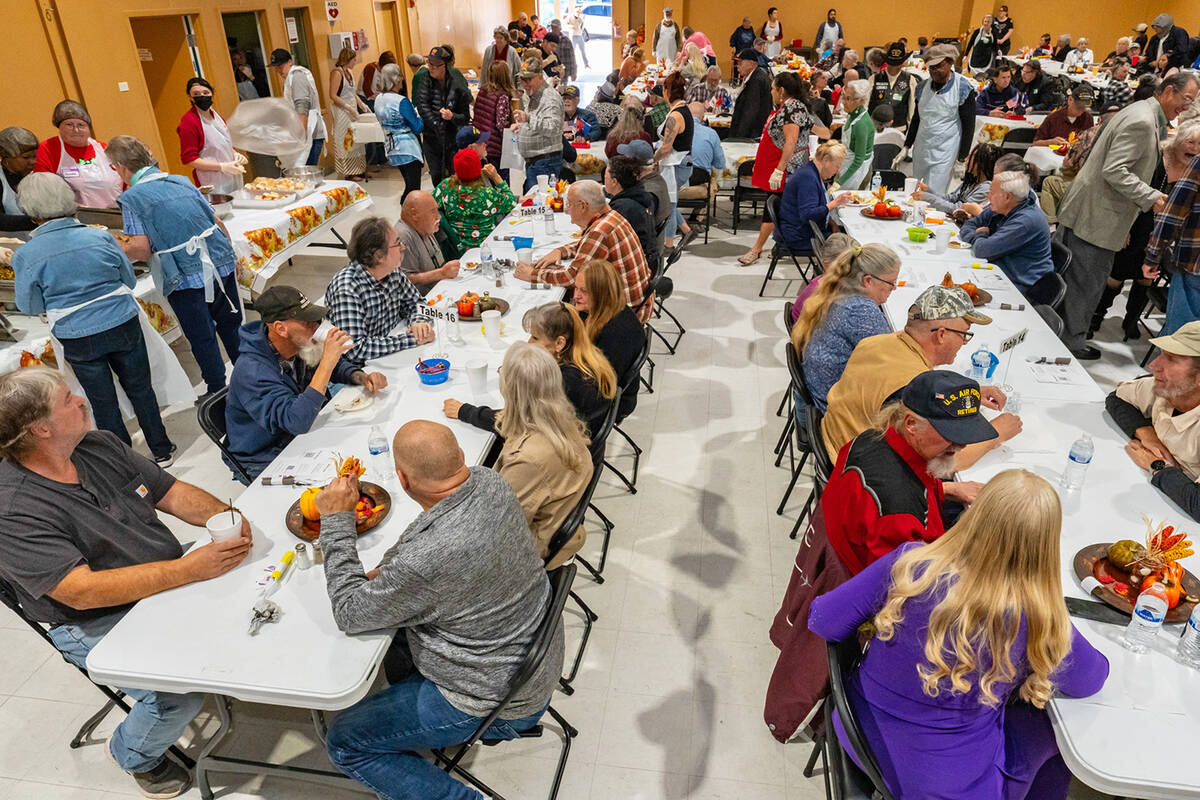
[843, 311]
[931, 699]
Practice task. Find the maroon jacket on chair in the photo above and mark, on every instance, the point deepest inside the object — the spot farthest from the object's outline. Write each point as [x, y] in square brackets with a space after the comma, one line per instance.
[800, 680]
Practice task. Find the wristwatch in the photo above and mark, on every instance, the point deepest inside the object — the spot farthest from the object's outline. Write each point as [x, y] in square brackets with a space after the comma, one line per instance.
[1157, 465]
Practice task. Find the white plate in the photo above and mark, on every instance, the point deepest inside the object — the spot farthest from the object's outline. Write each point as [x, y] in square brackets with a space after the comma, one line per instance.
[354, 399]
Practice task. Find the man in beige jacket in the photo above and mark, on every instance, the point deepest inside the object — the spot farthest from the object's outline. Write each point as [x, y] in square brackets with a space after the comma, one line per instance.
[1112, 188]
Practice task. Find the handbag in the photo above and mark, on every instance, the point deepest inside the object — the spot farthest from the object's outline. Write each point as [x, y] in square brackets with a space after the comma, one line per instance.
[1168, 259]
[587, 37]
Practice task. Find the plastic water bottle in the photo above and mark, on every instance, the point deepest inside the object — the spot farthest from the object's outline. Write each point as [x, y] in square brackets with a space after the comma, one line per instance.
[548, 219]
[876, 182]
[1077, 462]
[1147, 619]
[1189, 644]
[382, 467]
[486, 258]
[983, 363]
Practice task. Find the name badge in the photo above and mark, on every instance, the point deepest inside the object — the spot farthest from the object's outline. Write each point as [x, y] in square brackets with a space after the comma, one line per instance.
[142, 491]
[897, 97]
[71, 172]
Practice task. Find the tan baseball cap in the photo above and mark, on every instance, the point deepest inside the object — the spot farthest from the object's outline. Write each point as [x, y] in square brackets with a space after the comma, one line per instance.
[1183, 342]
[946, 302]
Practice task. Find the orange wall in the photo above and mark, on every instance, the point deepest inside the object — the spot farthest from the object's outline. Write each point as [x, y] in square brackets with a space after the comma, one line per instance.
[168, 70]
[465, 24]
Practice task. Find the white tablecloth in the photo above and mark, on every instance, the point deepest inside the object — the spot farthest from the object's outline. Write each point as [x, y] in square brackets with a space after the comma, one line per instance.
[1143, 693]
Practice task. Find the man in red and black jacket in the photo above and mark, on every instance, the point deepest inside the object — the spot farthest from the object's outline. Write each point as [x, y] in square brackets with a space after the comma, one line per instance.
[886, 488]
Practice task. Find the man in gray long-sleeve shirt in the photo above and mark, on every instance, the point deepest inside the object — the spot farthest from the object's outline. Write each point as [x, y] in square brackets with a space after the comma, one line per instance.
[467, 589]
[539, 124]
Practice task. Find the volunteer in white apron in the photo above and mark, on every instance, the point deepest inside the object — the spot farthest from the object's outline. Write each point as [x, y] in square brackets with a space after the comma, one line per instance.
[205, 145]
[674, 150]
[668, 39]
[300, 90]
[772, 31]
[78, 158]
[80, 279]
[858, 134]
[939, 131]
[18, 155]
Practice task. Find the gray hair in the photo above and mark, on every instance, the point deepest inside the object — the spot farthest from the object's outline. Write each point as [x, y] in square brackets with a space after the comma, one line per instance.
[590, 193]
[130, 152]
[1179, 82]
[860, 89]
[26, 397]
[852, 53]
[712, 69]
[390, 77]
[369, 240]
[14, 141]
[1174, 149]
[69, 109]
[1124, 39]
[45, 195]
[1015, 183]
[415, 60]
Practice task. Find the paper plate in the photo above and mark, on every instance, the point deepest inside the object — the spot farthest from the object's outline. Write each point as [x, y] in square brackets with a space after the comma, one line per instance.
[353, 399]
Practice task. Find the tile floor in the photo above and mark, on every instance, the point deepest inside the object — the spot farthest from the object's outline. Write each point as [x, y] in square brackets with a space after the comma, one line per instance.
[669, 699]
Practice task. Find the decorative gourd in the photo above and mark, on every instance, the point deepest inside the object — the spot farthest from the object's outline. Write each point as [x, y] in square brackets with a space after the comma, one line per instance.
[308, 504]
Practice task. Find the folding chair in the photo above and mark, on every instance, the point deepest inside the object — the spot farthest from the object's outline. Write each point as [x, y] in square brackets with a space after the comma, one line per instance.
[780, 250]
[596, 447]
[848, 781]
[787, 326]
[695, 201]
[1051, 318]
[822, 463]
[1061, 255]
[1049, 290]
[116, 697]
[802, 441]
[1017, 140]
[560, 586]
[745, 192]
[893, 179]
[559, 540]
[634, 371]
[211, 416]
[885, 156]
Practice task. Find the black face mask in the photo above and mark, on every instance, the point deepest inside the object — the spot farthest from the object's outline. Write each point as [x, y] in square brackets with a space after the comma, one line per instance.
[203, 102]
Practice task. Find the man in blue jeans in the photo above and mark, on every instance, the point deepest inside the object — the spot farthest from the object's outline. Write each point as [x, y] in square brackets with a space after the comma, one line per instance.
[468, 590]
[81, 542]
[539, 122]
[169, 222]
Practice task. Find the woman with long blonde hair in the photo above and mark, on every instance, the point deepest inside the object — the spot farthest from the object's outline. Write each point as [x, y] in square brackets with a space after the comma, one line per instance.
[842, 311]
[611, 323]
[630, 125]
[587, 377]
[962, 624]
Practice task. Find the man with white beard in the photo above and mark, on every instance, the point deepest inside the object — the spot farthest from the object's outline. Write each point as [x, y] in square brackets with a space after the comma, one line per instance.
[282, 376]
[887, 486]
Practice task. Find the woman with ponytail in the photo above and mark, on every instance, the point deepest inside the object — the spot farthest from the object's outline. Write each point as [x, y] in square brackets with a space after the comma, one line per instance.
[972, 637]
[588, 378]
[842, 311]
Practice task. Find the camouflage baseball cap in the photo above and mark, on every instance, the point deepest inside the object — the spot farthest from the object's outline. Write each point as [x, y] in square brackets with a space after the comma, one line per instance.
[531, 65]
[946, 302]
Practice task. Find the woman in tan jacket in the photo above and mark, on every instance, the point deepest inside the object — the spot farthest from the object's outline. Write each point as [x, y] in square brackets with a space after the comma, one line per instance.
[545, 455]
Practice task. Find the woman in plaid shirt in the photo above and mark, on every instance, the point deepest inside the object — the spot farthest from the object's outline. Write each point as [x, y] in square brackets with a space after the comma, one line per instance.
[1179, 223]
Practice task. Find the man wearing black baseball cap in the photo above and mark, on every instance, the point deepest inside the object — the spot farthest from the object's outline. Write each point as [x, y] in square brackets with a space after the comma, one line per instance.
[444, 105]
[753, 103]
[887, 486]
[894, 86]
[282, 376]
[300, 89]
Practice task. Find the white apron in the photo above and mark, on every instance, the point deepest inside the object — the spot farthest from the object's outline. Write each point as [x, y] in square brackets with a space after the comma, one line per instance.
[170, 382]
[218, 147]
[8, 197]
[96, 185]
[193, 246]
[936, 148]
[666, 48]
[666, 167]
[775, 44]
[316, 124]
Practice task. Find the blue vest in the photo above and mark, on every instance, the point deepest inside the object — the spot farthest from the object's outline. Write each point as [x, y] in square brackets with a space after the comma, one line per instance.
[171, 211]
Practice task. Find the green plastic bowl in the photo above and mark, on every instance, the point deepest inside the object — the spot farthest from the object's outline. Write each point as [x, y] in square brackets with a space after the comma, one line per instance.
[918, 234]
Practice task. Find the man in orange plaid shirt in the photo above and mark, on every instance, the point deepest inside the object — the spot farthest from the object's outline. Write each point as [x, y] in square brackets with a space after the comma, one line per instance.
[606, 236]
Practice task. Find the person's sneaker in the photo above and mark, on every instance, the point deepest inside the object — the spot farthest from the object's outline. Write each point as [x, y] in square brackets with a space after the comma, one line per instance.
[1086, 353]
[168, 459]
[166, 780]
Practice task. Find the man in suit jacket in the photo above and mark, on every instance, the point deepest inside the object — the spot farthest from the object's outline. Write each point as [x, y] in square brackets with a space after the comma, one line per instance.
[753, 104]
[1111, 189]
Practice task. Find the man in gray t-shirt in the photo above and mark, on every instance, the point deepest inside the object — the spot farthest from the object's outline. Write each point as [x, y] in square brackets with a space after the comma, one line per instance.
[81, 542]
[418, 228]
[468, 590]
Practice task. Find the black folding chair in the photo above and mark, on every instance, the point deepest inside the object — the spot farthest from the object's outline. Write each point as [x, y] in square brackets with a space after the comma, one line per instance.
[745, 192]
[1061, 255]
[1017, 140]
[818, 244]
[557, 542]
[1051, 318]
[116, 697]
[211, 416]
[1049, 290]
[885, 156]
[560, 586]
[801, 441]
[822, 463]
[626, 380]
[597, 447]
[697, 204]
[893, 179]
[787, 396]
[848, 781]
[779, 250]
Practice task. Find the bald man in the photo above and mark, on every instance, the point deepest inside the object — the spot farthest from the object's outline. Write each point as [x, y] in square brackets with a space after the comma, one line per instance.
[425, 244]
[467, 589]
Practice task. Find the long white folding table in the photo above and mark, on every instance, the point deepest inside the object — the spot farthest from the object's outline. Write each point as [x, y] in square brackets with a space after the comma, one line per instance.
[1134, 738]
[194, 638]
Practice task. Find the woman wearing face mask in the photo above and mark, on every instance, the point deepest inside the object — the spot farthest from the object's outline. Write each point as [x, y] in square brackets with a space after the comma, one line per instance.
[205, 145]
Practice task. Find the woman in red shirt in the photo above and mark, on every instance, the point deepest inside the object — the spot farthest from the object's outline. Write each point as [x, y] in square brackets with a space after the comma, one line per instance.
[205, 144]
[79, 158]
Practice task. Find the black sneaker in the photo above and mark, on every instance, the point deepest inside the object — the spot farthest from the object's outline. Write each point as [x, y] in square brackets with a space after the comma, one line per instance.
[1086, 353]
[168, 459]
[166, 780]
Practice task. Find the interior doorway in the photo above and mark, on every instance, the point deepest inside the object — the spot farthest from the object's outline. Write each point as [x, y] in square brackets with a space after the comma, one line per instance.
[299, 34]
[169, 57]
[243, 35]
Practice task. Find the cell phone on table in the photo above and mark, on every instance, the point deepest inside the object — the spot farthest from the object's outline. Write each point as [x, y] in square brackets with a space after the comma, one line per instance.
[1099, 612]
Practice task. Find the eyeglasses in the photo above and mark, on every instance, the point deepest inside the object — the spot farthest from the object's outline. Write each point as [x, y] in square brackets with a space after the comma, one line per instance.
[965, 334]
[882, 280]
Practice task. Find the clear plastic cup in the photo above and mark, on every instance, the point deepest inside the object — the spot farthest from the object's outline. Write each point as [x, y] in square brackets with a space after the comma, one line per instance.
[224, 525]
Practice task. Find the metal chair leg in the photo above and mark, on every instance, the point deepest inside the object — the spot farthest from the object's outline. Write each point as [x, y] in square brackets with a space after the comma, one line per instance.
[655, 331]
[93, 722]
[628, 483]
[589, 617]
[792, 484]
[770, 272]
[818, 747]
[648, 382]
[784, 438]
[804, 512]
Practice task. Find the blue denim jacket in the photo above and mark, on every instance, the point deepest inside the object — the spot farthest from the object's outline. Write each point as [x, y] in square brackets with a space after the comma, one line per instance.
[169, 212]
[67, 263]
